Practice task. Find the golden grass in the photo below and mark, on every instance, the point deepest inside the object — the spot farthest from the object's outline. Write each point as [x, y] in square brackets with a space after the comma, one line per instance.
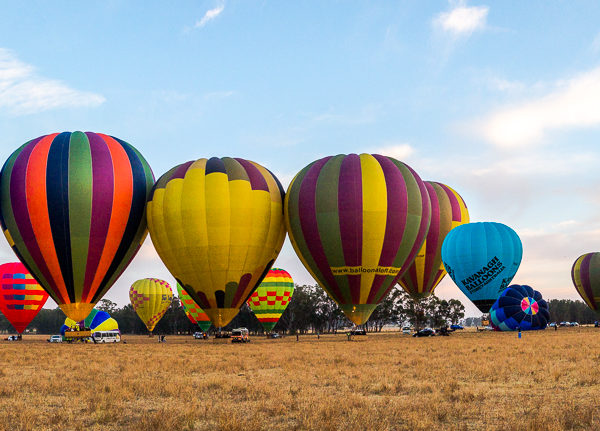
[469, 381]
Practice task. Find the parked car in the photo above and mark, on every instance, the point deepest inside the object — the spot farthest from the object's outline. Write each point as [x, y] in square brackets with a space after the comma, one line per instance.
[273, 335]
[564, 324]
[55, 339]
[574, 323]
[426, 332]
[358, 331]
[552, 324]
[406, 330]
[13, 338]
[240, 335]
[200, 335]
[455, 327]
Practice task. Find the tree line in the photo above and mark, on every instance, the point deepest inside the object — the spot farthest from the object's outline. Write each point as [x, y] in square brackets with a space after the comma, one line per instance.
[310, 311]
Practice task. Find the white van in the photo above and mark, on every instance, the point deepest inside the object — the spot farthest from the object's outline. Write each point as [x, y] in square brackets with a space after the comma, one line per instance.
[106, 337]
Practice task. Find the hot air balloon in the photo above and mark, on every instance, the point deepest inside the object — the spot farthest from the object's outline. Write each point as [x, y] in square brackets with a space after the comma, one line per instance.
[72, 208]
[271, 298]
[217, 224]
[482, 259]
[519, 307]
[586, 278]
[150, 299]
[97, 320]
[448, 210]
[22, 297]
[357, 222]
[193, 312]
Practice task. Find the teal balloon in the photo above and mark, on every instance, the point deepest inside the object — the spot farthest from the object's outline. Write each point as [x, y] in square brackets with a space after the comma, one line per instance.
[482, 259]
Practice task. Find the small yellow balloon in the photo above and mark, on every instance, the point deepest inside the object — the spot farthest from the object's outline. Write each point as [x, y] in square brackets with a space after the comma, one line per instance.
[150, 299]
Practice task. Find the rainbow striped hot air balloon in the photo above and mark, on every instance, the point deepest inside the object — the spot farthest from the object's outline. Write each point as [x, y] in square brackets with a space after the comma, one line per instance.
[217, 224]
[97, 320]
[21, 297]
[586, 278]
[193, 312]
[357, 222]
[448, 210]
[271, 298]
[72, 208]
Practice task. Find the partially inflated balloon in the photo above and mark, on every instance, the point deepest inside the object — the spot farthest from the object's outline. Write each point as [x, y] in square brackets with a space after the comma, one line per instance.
[482, 259]
[97, 320]
[72, 208]
[448, 210]
[586, 278]
[150, 299]
[519, 307]
[21, 297]
[357, 222]
[217, 224]
[271, 298]
[193, 312]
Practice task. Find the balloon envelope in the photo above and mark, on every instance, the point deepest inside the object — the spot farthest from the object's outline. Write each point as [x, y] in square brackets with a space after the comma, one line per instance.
[150, 299]
[271, 298]
[97, 320]
[482, 259]
[193, 312]
[357, 222]
[519, 307]
[586, 278]
[448, 210]
[217, 224]
[72, 208]
[22, 297]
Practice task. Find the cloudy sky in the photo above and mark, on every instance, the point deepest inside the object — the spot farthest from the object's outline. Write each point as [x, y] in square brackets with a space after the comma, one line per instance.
[499, 100]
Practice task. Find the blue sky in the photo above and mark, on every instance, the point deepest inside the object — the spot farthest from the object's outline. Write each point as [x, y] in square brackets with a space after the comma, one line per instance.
[500, 100]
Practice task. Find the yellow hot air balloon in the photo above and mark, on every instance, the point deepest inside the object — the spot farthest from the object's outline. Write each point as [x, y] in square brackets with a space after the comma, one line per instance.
[150, 299]
[217, 224]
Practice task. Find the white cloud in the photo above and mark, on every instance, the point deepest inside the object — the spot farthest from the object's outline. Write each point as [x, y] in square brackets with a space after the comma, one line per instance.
[210, 15]
[217, 95]
[22, 91]
[573, 103]
[462, 20]
[400, 151]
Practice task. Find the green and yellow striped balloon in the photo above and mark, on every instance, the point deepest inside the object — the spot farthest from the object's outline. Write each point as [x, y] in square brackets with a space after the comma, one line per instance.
[357, 222]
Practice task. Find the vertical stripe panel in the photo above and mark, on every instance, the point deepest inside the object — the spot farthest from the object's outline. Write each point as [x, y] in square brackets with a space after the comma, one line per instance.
[80, 206]
[122, 190]
[35, 202]
[102, 201]
[395, 225]
[350, 209]
[374, 213]
[326, 209]
[306, 212]
[133, 214]
[294, 228]
[57, 192]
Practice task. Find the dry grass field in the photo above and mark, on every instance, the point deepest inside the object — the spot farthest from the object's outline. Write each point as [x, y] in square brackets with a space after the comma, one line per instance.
[469, 381]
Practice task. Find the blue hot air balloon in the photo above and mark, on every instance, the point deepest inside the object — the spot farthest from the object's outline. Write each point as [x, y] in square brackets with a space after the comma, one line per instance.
[519, 307]
[482, 259]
